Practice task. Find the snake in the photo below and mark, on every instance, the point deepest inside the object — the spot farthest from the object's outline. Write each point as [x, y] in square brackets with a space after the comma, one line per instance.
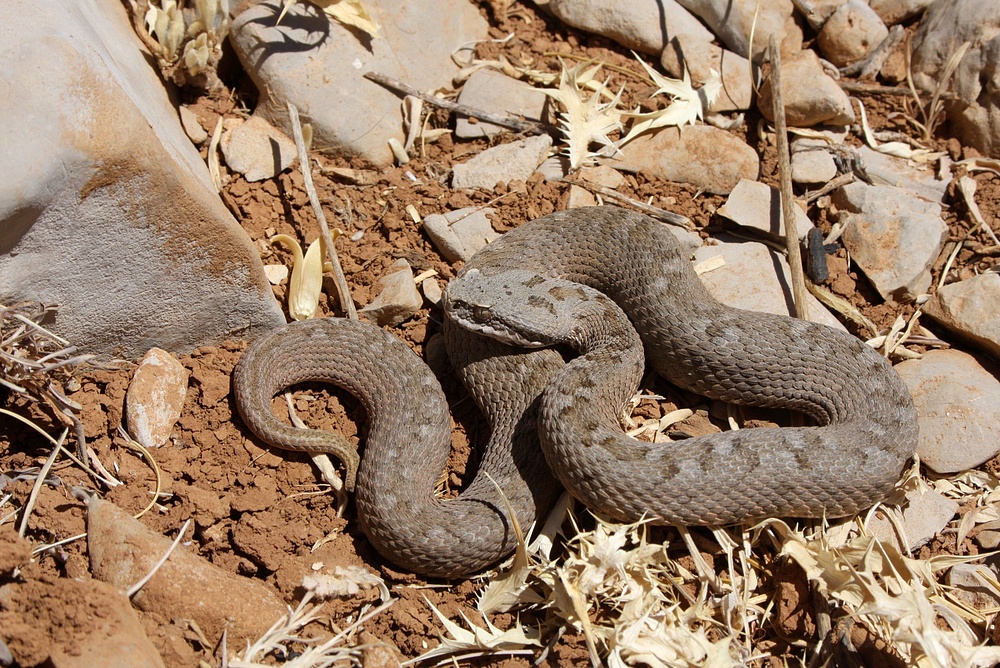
[550, 327]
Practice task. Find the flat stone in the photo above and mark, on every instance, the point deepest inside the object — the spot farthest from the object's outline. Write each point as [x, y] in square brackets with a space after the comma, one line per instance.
[580, 197]
[489, 90]
[734, 20]
[893, 237]
[700, 58]
[113, 215]
[889, 170]
[319, 65]
[811, 97]
[397, 299]
[975, 116]
[641, 25]
[460, 233]
[515, 161]
[958, 409]
[256, 149]
[972, 585]
[851, 33]
[432, 290]
[812, 165]
[748, 280]
[155, 398]
[708, 158]
[969, 308]
[758, 206]
[925, 515]
[122, 551]
[602, 175]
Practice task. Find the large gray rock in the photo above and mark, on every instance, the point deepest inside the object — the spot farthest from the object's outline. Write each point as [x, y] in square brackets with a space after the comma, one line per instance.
[893, 236]
[643, 25]
[757, 206]
[700, 155]
[319, 65]
[105, 206]
[851, 33]
[969, 308]
[811, 97]
[945, 26]
[489, 90]
[958, 409]
[734, 20]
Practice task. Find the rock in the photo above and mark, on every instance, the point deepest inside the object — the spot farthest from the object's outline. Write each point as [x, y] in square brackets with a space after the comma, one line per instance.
[459, 234]
[987, 538]
[700, 58]
[748, 280]
[505, 163]
[969, 308]
[155, 398]
[925, 515]
[256, 149]
[896, 11]
[821, 11]
[812, 164]
[972, 586]
[489, 90]
[397, 299]
[580, 197]
[432, 290]
[892, 236]
[958, 409]
[758, 206]
[700, 155]
[641, 25]
[106, 207]
[851, 33]
[975, 116]
[733, 20]
[319, 65]
[84, 623]
[890, 170]
[192, 126]
[122, 551]
[554, 167]
[811, 97]
[602, 175]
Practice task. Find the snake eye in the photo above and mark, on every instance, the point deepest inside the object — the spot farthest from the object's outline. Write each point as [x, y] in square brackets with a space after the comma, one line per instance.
[481, 313]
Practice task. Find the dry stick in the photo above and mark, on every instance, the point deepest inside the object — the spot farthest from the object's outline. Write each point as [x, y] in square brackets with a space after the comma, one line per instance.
[878, 56]
[877, 89]
[507, 121]
[785, 176]
[343, 292]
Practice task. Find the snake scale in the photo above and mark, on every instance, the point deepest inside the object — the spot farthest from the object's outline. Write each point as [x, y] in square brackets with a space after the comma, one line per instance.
[612, 285]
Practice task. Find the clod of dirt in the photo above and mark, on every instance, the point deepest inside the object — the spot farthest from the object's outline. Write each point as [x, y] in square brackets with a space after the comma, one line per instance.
[73, 623]
[122, 551]
[14, 550]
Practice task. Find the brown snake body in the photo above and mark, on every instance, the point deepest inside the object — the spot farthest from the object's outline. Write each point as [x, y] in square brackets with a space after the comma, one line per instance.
[866, 417]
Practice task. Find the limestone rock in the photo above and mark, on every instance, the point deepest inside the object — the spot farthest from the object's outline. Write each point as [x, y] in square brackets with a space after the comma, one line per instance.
[946, 25]
[925, 514]
[958, 409]
[811, 97]
[319, 65]
[757, 205]
[642, 25]
[821, 11]
[508, 162]
[748, 280]
[192, 126]
[580, 197]
[256, 149]
[122, 551]
[972, 583]
[460, 233]
[700, 155]
[969, 309]
[155, 397]
[397, 299]
[851, 33]
[890, 170]
[489, 90]
[812, 164]
[106, 207]
[733, 20]
[700, 58]
[892, 236]
[602, 175]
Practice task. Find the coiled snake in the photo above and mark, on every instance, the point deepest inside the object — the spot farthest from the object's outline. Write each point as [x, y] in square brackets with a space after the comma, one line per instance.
[585, 278]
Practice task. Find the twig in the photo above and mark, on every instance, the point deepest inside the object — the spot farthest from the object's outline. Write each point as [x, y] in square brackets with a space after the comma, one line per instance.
[507, 121]
[37, 487]
[134, 589]
[877, 89]
[654, 211]
[873, 63]
[343, 292]
[831, 185]
[785, 177]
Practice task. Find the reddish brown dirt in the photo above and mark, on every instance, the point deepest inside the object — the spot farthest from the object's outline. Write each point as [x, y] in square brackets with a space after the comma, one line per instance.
[258, 512]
